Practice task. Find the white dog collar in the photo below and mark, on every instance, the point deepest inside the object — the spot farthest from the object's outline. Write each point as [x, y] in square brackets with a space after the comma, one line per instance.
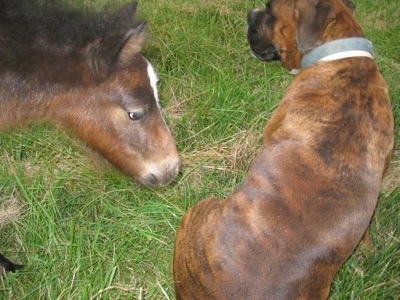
[338, 49]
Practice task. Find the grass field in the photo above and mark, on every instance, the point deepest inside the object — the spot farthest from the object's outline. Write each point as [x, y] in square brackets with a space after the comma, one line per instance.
[87, 232]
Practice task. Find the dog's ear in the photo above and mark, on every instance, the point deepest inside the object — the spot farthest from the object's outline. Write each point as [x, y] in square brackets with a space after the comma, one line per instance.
[312, 19]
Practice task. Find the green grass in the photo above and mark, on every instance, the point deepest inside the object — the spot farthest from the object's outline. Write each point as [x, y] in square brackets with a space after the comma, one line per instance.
[87, 232]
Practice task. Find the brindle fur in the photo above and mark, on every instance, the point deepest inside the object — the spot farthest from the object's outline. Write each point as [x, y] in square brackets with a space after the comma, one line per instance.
[85, 72]
[311, 191]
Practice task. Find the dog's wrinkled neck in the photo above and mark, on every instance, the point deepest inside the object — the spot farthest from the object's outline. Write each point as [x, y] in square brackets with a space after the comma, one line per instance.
[338, 49]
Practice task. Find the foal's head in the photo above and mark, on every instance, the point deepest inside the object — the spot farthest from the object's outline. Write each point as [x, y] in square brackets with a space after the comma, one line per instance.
[124, 121]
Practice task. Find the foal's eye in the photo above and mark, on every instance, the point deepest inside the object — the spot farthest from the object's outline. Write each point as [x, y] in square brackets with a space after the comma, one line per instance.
[137, 115]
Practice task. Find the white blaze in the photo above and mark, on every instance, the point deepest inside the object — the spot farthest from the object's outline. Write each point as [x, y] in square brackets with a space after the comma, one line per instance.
[153, 80]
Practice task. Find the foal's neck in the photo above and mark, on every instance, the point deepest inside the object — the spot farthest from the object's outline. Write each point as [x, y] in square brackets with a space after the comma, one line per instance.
[39, 97]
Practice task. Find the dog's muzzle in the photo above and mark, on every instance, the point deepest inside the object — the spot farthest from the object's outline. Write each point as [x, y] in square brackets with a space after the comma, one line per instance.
[260, 47]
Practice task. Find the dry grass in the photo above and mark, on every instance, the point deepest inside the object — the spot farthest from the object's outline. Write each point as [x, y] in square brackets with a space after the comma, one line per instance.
[391, 180]
[10, 210]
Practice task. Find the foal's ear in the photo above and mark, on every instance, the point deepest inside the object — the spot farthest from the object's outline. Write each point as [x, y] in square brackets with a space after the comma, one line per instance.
[133, 43]
[104, 54]
[312, 19]
[133, 39]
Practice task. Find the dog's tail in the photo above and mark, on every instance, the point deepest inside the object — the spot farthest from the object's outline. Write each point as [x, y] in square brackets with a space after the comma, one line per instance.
[9, 210]
[8, 266]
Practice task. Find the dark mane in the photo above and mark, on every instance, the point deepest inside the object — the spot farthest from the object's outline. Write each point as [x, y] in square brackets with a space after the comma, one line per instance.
[59, 23]
[46, 38]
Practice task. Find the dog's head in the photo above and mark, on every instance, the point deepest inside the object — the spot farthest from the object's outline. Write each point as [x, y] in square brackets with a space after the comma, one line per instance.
[287, 29]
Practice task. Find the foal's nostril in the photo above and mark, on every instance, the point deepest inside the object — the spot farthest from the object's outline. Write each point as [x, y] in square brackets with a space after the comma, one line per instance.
[153, 180]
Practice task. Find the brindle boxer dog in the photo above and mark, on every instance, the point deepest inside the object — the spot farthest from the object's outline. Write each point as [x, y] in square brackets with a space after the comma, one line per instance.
[312, 190]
